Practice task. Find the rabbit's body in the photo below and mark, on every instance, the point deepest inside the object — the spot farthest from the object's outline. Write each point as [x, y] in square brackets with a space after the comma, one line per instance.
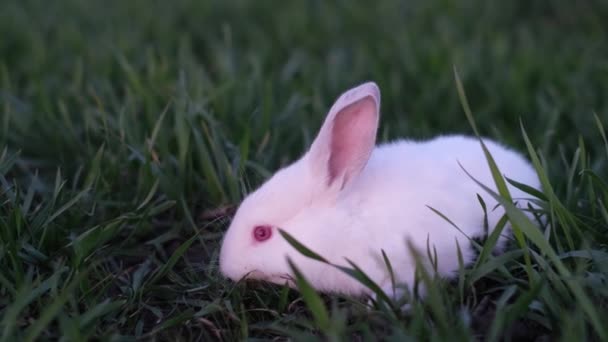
[345, 199]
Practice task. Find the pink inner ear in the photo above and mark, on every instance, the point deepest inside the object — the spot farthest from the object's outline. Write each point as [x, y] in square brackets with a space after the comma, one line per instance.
[352, 140]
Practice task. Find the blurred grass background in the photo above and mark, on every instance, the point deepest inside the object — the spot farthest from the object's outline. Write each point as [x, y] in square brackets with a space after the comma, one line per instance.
[129, 129]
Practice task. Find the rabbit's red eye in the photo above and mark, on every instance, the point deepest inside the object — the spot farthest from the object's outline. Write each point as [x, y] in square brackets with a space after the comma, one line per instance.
[262, 233]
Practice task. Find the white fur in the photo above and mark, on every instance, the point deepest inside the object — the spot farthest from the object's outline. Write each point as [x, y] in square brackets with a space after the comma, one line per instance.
[372, 199]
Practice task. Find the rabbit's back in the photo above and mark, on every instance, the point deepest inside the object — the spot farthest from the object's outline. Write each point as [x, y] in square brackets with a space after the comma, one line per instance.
[406, 181]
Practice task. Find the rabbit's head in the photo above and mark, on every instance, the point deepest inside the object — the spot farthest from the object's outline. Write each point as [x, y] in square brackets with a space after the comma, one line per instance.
[301, 198]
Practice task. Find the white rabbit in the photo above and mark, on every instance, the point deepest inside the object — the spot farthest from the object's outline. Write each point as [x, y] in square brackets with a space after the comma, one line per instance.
[347, 198]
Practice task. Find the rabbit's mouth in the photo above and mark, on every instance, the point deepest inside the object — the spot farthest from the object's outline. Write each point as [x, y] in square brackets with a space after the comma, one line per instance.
[277, 278]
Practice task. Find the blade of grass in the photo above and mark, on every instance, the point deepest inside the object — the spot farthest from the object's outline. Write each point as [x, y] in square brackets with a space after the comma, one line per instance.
[311, 298]
[53, 309]
[166, 267]
[496, 174]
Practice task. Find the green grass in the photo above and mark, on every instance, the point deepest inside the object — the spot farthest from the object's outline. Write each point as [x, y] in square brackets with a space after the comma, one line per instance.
[130, 129]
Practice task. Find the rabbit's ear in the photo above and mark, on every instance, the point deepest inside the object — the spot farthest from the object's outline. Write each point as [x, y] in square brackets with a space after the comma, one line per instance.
[348, 136]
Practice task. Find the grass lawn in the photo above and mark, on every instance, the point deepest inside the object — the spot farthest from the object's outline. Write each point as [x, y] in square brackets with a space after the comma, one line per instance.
[129, 130]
